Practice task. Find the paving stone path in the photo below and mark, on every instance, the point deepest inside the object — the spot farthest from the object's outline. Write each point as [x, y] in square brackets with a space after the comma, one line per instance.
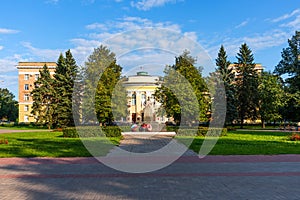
[213, 177]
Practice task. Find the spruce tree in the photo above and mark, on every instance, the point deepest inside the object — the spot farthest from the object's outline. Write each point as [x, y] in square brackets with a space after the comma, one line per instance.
[246, 84]
[227, 75]
[65, 75]
[43, 96]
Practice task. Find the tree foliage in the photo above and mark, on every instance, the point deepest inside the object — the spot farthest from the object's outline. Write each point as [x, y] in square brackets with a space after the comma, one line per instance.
[8, 106]
[184, 65]
[290, 63]
[289, 66]
[43, 96]
[246, 83]
[64, 78]
[271, 96]
[101, 75]
[227, 75]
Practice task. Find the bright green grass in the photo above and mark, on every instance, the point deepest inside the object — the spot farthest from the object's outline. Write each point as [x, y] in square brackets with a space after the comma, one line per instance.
[249, 143]
[50, 144]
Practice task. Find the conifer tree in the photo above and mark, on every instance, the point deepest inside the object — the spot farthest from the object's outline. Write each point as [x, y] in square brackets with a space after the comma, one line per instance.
[246, 84]
[64, 78]
[43, 96]
[227, 75]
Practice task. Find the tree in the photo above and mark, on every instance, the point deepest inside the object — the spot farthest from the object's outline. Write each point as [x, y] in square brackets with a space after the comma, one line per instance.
[290, 66]
[227, 75]
[101, 76]
[64, 78]
[43, 95]
[8, 106]
[184, 65]
[271, 95]
[290, 63]
[246, 83]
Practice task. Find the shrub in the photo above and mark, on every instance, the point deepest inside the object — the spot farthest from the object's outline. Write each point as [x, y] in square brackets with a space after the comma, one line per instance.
[92, 131]
[199, 131]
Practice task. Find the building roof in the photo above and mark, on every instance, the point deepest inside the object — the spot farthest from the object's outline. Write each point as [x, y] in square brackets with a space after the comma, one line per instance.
[22, 65]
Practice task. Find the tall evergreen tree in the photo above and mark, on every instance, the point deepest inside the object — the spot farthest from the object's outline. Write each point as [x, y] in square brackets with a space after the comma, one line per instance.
[43, 96]
[184, 65]
[246, 84]
[64, 77]
[227, 75]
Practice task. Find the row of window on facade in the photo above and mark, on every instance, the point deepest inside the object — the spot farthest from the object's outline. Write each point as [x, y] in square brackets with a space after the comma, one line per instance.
[143, 99]
[26, 76]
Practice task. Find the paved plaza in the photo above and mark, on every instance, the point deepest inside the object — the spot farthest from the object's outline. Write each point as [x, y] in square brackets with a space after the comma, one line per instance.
[212, 177]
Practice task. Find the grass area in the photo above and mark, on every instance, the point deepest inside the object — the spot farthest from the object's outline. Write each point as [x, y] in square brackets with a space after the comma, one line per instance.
[21, 127]
[249, 143]
[50, 144]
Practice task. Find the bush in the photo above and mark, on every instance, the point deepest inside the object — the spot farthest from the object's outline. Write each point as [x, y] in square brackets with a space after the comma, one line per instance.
[198, 131]
[92, 131]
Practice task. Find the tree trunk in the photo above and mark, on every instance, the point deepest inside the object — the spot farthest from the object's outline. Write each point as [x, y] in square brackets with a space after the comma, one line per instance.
[263, 123]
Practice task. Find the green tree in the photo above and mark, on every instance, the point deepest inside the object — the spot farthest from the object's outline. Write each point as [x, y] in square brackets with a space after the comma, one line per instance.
[101, 76]
[184, 65]
[226, 74]
[271, 94]
[290, 67]
[246, 83]
[8, 106]
[64, 78]
[290, 63]
[43, 95]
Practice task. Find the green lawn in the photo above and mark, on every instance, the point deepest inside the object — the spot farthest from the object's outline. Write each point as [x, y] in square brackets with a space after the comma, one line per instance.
[249, 143]
[49, 144]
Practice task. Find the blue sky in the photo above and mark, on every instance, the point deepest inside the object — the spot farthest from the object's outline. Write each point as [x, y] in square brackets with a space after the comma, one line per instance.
[38, 30]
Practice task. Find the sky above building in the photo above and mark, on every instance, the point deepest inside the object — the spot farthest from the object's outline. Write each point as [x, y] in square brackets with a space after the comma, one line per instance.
[37, 30]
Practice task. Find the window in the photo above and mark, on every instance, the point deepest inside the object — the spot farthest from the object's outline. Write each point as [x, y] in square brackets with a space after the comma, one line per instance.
[36, 77]
[26, 97]
[26, 87]
[26, 108]
[133, 101]
[26, 118]
[26, 76]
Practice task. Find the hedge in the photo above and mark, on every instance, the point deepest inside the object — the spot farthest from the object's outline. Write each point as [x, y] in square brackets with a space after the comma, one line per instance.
[198, 131]
[92, 131]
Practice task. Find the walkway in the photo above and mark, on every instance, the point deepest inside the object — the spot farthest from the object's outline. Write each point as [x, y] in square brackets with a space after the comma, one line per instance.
[213, 177]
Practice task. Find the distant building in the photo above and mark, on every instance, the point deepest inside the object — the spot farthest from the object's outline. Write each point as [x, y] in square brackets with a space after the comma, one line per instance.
[258, 67]
[140, 92]
[29, 72]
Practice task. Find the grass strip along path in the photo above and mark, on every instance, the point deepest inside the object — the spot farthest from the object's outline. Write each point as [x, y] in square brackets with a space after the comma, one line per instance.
[52, 144]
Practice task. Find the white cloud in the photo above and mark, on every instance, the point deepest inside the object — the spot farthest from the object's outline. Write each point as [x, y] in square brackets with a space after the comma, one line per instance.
[148, 4]
[142, 41]
[43, 54]
[8, 64]
[286, 16]
[7, 31]
[1, 47]
[295, 24]
[244, 23]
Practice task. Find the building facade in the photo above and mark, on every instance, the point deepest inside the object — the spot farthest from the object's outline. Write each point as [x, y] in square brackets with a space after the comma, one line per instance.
[28, 73]
[140, 90]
